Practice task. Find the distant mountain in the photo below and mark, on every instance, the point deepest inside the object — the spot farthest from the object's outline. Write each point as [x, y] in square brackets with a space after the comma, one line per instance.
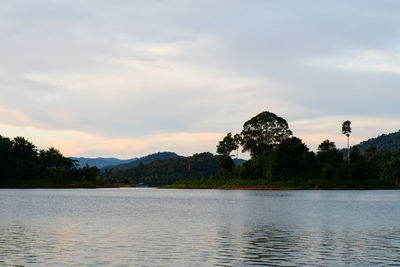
[143, 160]
[388, 142]
[100, 162]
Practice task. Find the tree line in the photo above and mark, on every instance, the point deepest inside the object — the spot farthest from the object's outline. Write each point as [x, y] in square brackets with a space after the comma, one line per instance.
[281, 160]
[23, 165]
[278, 160]
[165, 171]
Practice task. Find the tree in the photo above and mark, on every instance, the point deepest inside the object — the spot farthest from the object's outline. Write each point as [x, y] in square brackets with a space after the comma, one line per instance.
[329, 158]
[346, 130]
[327, 152]
[23, 149]
[237, 139]
[284, 161]
[263, 132]
[224, 149]
[326, 146]
[6, 159]
[227, 145]
[52, 158]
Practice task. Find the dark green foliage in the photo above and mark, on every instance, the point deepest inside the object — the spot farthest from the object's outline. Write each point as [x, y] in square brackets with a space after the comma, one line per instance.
[289, 161]
[224, 149]
[142, 160]
[346, 128]
[100, 162]
[22, 165]
[226, 164]
[291, 165]
[167, 171]
[263, 132]
[280, 161]
[388, 142]
[227, 145]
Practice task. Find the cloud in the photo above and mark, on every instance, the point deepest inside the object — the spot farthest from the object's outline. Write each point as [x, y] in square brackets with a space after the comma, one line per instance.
[78, 143]
[14, 117]
[71, 142]
[365, 61]
[134, 71]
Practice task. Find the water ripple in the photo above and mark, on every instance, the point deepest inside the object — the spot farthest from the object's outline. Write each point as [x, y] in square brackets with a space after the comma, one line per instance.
[198, 228]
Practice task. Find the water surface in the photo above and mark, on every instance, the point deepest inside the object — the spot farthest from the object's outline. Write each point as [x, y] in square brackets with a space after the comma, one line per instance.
[157, 227]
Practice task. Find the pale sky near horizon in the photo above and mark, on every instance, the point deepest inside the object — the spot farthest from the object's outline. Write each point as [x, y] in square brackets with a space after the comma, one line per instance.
[129, 78]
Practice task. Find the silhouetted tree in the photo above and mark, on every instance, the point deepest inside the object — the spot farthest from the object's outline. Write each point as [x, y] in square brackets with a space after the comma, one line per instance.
[263, 132]
[346, 130]
[329, 159]
[227, 145]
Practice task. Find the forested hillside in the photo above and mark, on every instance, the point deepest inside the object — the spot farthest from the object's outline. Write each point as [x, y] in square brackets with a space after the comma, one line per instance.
[166, 171]
[142, 160]
[387, 142]
[100, 162]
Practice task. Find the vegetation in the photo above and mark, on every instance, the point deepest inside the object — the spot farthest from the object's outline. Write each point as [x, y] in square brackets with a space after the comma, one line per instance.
[142, 160]
[346, 130]
[23, 165]
[387, 142]
[166, 171]
[280, 160]
[100, 162]
[224, 149]
[263, 132]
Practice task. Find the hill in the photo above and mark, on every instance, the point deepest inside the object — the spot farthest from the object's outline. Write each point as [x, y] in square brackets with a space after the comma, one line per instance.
[167, 171]
[142, 160]
[387, 142]
[100, 162]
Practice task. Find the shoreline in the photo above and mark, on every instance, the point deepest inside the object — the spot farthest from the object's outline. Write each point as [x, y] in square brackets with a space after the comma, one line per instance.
[273, 188]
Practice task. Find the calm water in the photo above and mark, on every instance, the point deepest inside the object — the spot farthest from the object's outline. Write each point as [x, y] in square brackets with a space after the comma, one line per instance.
[155, 227]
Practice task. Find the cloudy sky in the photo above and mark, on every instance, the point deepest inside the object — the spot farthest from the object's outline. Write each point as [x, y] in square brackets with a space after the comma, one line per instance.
[128, 78]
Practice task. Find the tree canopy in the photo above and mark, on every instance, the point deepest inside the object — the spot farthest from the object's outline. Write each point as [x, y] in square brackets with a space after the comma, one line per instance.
[23, 165]
[263, 132]
[346, 128]
[227, 145]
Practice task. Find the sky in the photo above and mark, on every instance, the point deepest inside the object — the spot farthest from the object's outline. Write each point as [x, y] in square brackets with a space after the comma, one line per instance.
[128, 78]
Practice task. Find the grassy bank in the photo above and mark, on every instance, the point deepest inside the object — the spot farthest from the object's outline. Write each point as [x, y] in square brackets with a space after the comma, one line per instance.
[237, 183]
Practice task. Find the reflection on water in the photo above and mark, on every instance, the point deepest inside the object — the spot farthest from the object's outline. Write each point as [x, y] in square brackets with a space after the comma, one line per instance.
[150, 227]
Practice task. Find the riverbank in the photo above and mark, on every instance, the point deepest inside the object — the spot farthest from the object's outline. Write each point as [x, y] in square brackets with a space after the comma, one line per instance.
[284, 188]
[289, 184]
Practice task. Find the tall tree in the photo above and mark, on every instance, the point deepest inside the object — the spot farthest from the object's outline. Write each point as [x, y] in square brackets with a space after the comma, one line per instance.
[263, 132]
[227, 145]
[224, 149]
[346, 130]
[237, 139]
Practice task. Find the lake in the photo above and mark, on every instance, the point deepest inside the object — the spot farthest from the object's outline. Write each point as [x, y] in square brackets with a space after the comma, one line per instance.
[167, 227]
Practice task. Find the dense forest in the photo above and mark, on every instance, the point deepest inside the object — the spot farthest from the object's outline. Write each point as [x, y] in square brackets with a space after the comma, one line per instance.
[23, 165]
[139, 161]
[280, 160]
[166, 171]
[387, 142]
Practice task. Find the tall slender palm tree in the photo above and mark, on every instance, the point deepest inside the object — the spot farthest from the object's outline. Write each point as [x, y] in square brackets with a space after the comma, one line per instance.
[346, 130]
